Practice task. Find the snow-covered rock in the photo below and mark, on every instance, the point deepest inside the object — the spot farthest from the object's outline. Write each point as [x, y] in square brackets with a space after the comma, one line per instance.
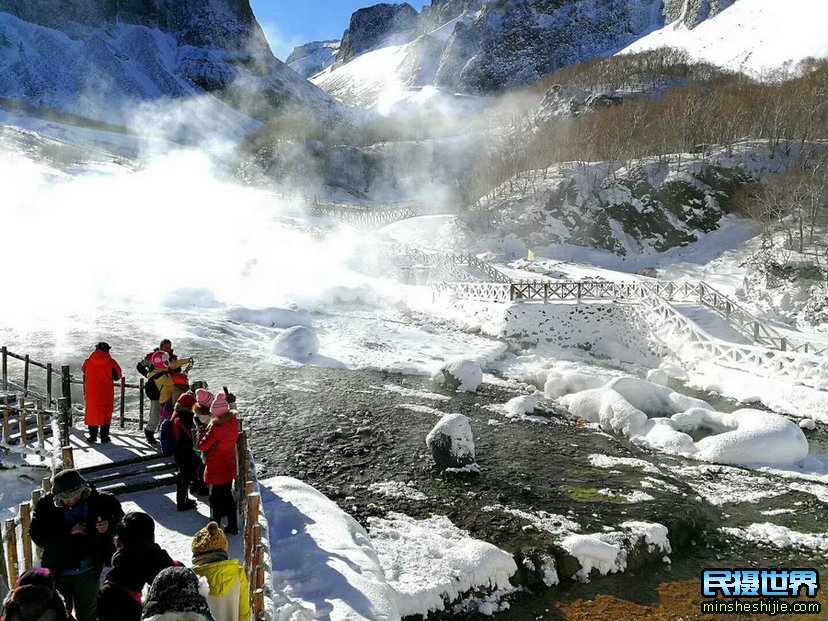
[564, 382]
[309, 59]
[807, 423]
[298, 343]
[520, 406]
[462, 375]
[661, 419]
[430, 562]
[658, 376]
[451, 442]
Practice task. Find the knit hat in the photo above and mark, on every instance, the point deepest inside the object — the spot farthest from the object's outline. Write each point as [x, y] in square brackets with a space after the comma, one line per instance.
[205, 398]
[103, 347]
[220, 406]
[180, 379]
[186, 401]
[209, 539]
[68, 484]
[39, 576]
[175, 590]
[160, 359]
[136, 527]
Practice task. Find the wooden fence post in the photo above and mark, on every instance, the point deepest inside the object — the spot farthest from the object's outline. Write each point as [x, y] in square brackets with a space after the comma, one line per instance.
[41, 431]
[4, 574]
[25, 376]
[141, 404]
[251, 520]
[5, 366]
[21, 410]
[66, 384]
[47, 484]
[37, 494]
[26, 539]
[49, 373]
[6, 417]
[11, 550]
[63, 421]
[123, 400]
[68, 458]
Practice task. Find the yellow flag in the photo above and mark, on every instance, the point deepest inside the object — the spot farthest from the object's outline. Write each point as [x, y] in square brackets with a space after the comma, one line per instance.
[531, 256]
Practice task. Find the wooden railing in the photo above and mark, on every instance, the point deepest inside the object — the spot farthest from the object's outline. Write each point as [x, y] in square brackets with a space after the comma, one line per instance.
[45, 391]
[254, 526]
[11, 565]
[773, 355]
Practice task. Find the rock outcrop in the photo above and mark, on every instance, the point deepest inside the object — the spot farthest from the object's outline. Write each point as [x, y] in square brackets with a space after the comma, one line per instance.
[373, 26]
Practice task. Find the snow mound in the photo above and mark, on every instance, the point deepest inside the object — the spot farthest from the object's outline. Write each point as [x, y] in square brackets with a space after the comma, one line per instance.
[752, 436]
[323, 561]
[565, 382]
[519, 406]
[451, 442]
[658, 376]
[429, 562]
[658, 418]
[281, 318]
[807, 423]
[462, 375]
[298, 343]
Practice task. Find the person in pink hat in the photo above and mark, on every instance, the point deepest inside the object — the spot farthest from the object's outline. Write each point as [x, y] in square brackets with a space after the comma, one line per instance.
[159, 389]
[217, 441]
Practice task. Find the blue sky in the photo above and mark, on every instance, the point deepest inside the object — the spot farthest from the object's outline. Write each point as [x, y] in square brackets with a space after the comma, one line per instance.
[288, 23]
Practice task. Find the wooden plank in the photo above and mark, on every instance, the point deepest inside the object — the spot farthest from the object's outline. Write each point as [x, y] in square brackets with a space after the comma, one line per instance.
[68, 457]
[6, 433]
[4, 362]
[22, 423]
[26, 376]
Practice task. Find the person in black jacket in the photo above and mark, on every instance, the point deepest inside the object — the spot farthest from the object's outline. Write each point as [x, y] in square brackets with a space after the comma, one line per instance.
[74, 525]
[136, 563]
[187, 462]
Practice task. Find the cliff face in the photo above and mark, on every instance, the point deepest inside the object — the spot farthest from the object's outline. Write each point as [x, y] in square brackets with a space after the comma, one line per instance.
[309, 59]
[99, 58]
[371, 26]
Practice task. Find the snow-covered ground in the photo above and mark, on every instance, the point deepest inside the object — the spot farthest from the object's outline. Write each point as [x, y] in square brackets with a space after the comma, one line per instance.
[171, 248]
[756, 36]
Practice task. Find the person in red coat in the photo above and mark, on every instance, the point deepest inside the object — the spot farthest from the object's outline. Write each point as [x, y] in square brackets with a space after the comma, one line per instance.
[99, 372]
[217, 441]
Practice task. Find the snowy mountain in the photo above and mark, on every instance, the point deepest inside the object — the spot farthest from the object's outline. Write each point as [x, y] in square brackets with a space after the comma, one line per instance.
[485, 46]
[478, 47]
[309, 59]
[98, 59]
[755, 36]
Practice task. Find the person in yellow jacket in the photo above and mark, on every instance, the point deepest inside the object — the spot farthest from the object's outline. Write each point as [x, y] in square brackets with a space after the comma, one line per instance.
[161, 376]
[229, 598]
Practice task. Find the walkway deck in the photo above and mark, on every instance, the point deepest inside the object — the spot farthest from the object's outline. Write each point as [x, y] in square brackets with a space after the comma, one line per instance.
[174, 530]
[126, 445]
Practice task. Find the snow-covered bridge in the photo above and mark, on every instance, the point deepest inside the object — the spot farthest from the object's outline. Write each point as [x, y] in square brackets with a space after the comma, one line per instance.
[693, 320]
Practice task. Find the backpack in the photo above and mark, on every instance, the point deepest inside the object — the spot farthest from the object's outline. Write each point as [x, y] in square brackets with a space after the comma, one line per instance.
[144, 367]
[151, 389]
[168, 434]
[166, 437]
